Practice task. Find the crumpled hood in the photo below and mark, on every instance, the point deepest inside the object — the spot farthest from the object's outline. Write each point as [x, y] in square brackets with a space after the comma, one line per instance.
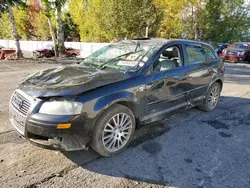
[68, 80]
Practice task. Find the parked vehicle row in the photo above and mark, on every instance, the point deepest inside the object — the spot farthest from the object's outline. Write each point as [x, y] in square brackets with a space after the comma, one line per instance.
[237, 52]
[100, 102]
[50, 52]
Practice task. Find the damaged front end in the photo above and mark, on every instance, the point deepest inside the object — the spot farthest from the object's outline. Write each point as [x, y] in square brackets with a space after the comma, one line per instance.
[60, 132]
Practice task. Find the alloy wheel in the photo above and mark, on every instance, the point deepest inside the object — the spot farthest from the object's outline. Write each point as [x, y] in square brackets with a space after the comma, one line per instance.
[213, 97]
[117, 132]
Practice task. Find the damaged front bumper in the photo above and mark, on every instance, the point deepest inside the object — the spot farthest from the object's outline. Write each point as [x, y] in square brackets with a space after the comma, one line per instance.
[42, 129]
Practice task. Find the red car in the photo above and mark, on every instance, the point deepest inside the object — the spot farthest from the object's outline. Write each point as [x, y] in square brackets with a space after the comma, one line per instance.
[237, 52]
[49, 52]
[72, 52]
[5, 52]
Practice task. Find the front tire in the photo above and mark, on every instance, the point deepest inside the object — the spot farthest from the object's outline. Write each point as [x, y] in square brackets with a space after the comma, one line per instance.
[113, 131]
[212, 98]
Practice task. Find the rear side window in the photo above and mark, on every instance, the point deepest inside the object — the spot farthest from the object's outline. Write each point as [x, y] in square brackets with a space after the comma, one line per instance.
[197, 54]
[209, 54]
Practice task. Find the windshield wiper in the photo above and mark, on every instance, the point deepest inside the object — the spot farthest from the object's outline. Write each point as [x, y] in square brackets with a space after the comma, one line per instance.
[102, 65]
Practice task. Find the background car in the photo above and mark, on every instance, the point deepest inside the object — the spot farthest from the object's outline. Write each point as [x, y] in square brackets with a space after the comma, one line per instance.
[237, 52]
[72, 52]
[49, 52]
[6, 52]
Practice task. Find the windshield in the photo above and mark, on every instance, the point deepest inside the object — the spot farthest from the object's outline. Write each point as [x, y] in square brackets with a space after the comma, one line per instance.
[120, 56]
[242, 45]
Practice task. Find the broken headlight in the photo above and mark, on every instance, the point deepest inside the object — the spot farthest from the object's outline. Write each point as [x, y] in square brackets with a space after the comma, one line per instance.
[61, 108]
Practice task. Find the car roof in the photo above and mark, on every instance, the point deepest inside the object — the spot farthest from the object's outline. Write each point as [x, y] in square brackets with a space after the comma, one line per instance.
[160, 41]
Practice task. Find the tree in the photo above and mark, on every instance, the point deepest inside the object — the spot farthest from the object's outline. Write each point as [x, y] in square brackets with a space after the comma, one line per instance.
[171, 25]
[59, 25]
[77, 11]
[6, 6]
[227, 20]
[111, 20]
[71, 31]
[38, 21]
[55, 6]
[47, 10]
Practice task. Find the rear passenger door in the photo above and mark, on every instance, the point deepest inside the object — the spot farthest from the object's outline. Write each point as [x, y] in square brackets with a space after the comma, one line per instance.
[200, 61]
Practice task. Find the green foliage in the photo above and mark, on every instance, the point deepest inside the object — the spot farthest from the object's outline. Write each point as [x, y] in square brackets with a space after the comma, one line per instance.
[4, 4]
[22, 24]
[5, 29]
[77, 10]
[41, 29]
[171, 23]
[71, 32]
[111, 20]
[227, 20]
[105, 20]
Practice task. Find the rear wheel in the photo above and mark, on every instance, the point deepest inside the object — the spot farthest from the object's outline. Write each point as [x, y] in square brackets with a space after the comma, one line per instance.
[212, 98]
[113, 131]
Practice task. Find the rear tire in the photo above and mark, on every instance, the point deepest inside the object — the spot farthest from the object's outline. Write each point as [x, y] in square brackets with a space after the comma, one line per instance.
[212, 98]
[113, 131]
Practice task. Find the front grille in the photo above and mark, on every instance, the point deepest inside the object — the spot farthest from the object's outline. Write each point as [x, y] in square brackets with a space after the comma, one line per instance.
[23, 106]
[19, 107]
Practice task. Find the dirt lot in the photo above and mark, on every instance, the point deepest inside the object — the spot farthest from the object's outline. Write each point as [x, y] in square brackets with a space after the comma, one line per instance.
[189, 149]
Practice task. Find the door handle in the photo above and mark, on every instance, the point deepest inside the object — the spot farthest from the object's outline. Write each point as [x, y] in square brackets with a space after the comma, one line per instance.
[181, 78]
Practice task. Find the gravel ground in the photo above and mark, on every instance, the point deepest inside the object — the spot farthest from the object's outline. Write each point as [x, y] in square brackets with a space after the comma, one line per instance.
[189, 149]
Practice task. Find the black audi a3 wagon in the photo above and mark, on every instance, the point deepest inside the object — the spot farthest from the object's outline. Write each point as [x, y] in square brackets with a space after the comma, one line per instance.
[101, 101]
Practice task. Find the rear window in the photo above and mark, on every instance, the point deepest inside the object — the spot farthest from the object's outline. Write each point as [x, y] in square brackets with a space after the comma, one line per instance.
[209, 54]
[195, 55]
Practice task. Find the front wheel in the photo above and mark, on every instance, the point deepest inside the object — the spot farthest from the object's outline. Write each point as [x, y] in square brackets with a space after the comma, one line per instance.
[212, 98]
[113, 131]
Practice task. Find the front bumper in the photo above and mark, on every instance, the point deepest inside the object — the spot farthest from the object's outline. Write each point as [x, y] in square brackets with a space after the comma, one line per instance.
[41, 129]
[232, 58]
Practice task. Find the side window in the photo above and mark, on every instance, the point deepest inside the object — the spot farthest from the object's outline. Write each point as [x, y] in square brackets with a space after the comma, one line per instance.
[195, 55]
[209, 54]
[169, 59]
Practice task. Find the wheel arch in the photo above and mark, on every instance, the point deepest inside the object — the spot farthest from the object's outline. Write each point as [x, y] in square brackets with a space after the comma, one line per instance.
[127, 103]
[124, 98]
[219, 81]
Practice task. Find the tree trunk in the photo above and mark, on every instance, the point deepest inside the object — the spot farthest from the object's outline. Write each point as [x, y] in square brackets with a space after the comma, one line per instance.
[60, 33]
[14, 30]
[53, 36]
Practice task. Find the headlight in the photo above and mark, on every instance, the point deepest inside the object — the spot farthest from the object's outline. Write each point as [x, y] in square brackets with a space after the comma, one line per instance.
[241, 53]
[61, 108]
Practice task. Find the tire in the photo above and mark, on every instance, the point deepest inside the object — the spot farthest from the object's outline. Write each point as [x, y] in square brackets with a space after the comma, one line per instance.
[206, 106]
[109, 140]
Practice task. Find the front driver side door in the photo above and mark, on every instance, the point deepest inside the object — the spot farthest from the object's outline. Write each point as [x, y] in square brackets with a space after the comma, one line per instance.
[166, 87]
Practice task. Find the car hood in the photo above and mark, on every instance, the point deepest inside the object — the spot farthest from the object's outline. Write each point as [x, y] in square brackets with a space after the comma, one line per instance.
[68, 81]
[237, 50]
